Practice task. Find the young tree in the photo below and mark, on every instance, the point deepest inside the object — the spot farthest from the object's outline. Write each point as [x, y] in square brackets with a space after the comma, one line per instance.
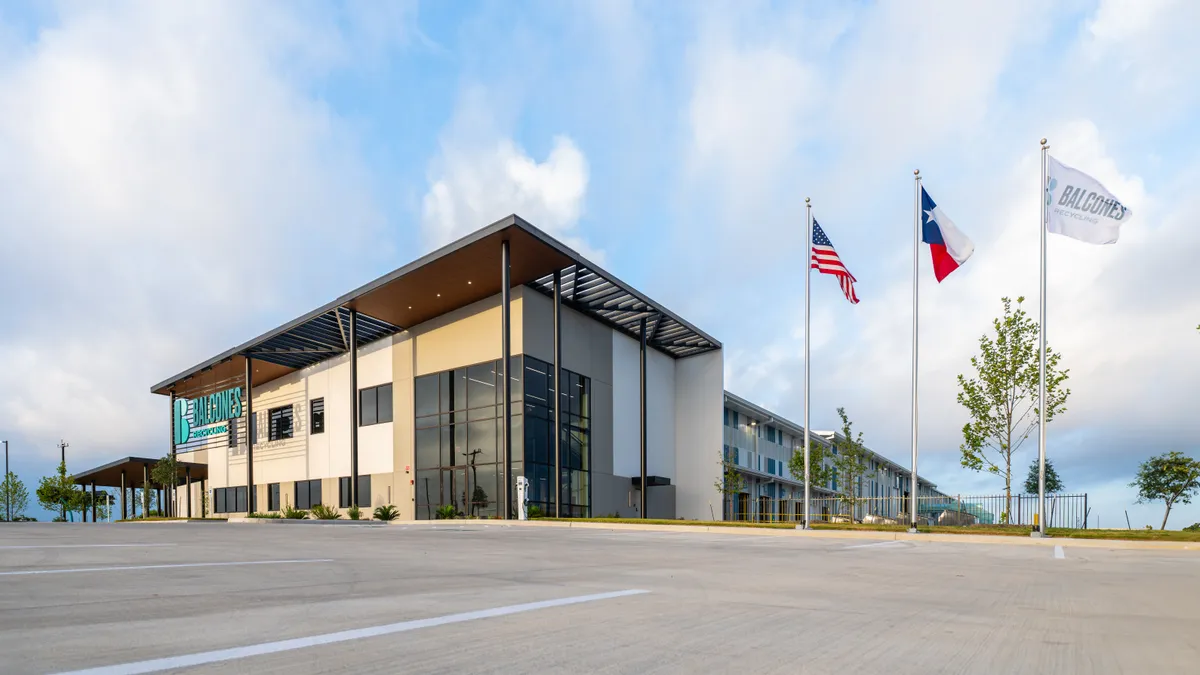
[817, 455]
[851, 463]
[1053, 482]
[58, 493]
[1171, 477]
[13, 496]
[1002, 397]
[165, 472]
[731, 483]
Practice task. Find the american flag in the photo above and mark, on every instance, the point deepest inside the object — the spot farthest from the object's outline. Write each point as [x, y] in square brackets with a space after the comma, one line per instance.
[826, 261]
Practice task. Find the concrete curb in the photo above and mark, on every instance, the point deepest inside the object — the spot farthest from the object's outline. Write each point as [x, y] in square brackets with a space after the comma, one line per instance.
[1111, 544]
[243, 520]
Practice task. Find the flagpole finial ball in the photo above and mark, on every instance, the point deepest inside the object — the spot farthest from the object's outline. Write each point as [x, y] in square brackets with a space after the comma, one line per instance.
[807, 200]
[1043, 141]
[916, 172]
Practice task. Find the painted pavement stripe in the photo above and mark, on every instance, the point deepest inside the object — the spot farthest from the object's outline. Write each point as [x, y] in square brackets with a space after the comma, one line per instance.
[125, 568]
[201, 658]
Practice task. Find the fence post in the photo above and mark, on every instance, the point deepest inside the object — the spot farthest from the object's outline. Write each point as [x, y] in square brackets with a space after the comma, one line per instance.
[1085, 511]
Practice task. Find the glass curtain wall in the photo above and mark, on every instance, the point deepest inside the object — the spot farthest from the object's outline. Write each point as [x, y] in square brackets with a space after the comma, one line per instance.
[539, 439]
[459, 449]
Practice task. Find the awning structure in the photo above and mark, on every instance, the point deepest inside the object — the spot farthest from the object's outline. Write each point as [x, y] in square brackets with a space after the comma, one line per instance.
[109, 475]
[447, 279]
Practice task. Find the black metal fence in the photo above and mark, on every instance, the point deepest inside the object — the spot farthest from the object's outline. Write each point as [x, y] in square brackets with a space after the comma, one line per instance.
[1062, 510]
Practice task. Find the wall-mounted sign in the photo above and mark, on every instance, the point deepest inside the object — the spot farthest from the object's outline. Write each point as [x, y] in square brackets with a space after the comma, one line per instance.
[206, 416]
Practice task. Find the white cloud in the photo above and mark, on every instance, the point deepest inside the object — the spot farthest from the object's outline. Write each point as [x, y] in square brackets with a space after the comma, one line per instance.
[908, 85]
[168, 189]
[481, 176]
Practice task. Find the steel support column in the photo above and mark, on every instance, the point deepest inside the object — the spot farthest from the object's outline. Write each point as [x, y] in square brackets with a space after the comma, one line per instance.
[353, 347]
[642, 416]
[145, 490]
[124, 513]
[558, 391]
[188, 481]
[94, 501]
[505, 357]
[169, 511]
[251, 433]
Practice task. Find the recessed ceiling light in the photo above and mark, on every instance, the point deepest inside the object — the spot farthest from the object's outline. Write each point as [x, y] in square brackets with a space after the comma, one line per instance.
[439, 295]
[410, 306]
[468, 282]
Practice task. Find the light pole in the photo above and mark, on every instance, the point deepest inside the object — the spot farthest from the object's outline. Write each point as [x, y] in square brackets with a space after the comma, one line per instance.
[63, 445]
[7, 487]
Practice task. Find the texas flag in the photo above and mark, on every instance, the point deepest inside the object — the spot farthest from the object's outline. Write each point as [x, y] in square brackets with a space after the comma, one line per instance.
[949, 246]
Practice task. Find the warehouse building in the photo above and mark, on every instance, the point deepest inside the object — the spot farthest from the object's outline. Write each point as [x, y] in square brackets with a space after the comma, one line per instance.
[758, 445]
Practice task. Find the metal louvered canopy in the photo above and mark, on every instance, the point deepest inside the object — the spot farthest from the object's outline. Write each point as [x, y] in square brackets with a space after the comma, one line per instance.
[589, 291]
[321, 337]
[454, 276]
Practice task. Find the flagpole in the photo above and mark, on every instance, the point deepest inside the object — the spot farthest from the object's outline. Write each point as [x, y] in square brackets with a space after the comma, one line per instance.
[807, 279]
[1041, 529]
[912, 500]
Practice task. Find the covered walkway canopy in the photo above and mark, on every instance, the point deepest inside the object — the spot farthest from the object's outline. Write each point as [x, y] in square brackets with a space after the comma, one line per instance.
[131, 473]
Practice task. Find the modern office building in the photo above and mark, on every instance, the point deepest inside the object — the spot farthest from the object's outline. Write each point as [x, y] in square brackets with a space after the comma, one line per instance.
[438, 384]
[759, 444]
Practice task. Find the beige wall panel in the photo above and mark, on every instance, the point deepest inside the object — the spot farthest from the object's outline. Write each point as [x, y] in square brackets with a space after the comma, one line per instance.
[402, 425]
[466, 336]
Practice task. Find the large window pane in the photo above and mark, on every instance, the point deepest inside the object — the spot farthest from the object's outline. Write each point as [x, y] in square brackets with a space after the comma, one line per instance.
[449, 453]
[481, 442]
[481, 385]
[364, 492]
[537, 435]
[458, 380]
[461, 450]
[425, 395]
[536, 382]
[385, 402]
[428, 489]
[427, 448]
[444, 394]
[367, 407]
[314, 490]
[484, 496]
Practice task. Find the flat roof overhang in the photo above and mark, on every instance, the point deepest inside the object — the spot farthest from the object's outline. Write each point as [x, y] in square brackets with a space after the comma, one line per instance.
[109, 475]
[447, 279]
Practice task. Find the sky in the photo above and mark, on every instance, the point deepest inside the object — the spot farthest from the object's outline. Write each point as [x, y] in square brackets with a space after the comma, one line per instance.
[178, 177]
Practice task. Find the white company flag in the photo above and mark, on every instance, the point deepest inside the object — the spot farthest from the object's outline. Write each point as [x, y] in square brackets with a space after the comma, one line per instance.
[1079, 207]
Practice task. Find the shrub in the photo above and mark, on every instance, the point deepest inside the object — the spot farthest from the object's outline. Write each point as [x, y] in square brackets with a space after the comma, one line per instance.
[535, 511]
[446, 512]
[1194, 527]
[290, 513]
[322, 512]
[275, 516]
[354, 512]
[387, 513]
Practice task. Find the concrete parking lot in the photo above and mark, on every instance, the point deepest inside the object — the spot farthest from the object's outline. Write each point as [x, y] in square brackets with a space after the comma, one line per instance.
[468, 597]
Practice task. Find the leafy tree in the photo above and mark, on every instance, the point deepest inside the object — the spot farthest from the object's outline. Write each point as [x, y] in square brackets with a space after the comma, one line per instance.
[150, 503]
[1171, 477]
[1002, 397]
[817, 454]
[58, 493]
[13, 496]
[165, 472]
[1053, 482]
[731, 482]
[851, 463]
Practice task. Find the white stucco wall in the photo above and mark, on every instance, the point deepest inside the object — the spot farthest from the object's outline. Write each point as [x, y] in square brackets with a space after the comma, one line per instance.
[699, 401]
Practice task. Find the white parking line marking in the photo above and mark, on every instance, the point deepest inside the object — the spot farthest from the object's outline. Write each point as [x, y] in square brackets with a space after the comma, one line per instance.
[878, 543]
[161, 567]
[201, 658]
[9, 548]
[1058, 553]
